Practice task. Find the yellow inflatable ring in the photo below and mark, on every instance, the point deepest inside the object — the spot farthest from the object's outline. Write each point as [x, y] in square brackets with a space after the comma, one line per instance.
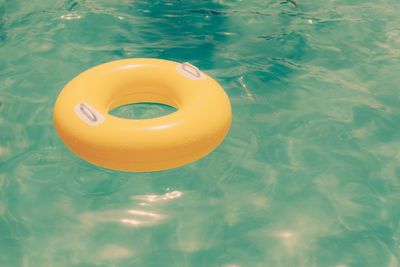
[200, 123]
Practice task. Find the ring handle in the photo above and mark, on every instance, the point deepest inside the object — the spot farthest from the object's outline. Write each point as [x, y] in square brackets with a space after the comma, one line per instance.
[189, 71]
[88, 114]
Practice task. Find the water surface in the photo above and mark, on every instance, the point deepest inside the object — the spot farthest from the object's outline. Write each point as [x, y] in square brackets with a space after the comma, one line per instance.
[309, 174]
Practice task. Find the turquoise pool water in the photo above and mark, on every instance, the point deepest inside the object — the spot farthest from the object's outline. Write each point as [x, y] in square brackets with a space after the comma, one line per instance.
[309, 174]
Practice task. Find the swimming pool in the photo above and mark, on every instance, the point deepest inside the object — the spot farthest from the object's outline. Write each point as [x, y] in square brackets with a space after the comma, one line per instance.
[309, 174]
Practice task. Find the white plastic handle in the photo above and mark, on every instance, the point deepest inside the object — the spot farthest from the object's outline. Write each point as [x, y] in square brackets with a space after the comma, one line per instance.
[89, 114]
[189, 71]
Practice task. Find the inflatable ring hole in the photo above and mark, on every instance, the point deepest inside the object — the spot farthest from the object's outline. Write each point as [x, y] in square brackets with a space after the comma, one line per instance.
[142, 111]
